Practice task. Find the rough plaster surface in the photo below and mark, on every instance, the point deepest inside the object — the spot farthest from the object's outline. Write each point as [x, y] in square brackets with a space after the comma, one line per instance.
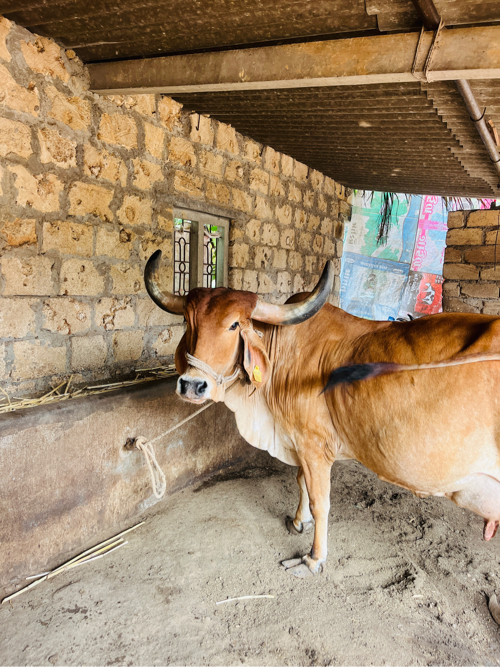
[87, 189]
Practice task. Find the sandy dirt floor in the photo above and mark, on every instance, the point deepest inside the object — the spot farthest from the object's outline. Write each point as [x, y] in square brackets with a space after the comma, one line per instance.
[406, 584]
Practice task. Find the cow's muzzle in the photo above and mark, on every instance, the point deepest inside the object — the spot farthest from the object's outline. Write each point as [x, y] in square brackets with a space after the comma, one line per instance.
[193, 389]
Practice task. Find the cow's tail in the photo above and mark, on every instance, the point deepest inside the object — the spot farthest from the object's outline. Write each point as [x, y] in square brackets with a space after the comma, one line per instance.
[357, 372]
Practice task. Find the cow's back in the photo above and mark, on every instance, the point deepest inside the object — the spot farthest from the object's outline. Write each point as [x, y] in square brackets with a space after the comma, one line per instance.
[424, 429]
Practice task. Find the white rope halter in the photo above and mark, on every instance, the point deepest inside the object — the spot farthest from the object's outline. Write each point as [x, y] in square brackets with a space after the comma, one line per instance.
[205, 368]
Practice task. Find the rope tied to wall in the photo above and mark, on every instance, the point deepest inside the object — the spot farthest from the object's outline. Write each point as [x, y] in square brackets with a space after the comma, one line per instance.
[158, 480]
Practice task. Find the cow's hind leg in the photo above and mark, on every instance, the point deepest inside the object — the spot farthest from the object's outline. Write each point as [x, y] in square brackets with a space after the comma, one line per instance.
[317, 479]
[481, 495]
[303, 521]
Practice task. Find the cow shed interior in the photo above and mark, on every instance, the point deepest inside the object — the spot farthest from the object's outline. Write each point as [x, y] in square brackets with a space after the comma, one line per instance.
[128, 128]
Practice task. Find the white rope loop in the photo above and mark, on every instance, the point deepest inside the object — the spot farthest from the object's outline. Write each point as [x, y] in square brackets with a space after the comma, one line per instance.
[158, 480]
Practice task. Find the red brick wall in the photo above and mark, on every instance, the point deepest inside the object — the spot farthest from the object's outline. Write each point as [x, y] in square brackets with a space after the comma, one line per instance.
[472, 263]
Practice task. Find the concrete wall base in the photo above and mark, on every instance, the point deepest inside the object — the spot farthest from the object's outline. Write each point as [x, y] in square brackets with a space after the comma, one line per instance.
[66, 481]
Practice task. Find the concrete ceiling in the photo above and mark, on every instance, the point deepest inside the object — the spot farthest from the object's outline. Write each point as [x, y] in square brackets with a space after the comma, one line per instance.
[374, 125]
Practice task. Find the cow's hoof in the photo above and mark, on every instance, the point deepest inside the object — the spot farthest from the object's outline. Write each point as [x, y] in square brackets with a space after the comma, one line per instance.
[296, 567]
[305, 526]
[300, 571]
[494, 608]
[302, 567]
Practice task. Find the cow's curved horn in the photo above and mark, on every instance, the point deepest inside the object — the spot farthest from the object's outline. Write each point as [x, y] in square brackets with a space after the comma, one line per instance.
[295, 313]
[166, 301]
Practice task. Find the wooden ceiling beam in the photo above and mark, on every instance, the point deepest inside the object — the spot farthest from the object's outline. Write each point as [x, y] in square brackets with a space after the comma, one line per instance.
[463, 53]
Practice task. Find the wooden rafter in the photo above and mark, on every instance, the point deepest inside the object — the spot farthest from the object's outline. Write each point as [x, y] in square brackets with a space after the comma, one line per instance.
[470, 53]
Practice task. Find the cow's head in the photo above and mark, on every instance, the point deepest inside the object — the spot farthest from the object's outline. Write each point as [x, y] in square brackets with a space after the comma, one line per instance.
[220, 334]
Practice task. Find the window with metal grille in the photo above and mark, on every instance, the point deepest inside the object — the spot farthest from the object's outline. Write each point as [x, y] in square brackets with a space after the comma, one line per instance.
[200, 250]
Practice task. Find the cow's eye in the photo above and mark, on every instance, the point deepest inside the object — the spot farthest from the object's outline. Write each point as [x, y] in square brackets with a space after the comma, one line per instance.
[233, 326]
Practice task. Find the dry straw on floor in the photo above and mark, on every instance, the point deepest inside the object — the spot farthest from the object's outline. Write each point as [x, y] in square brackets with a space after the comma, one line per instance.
[64, 391]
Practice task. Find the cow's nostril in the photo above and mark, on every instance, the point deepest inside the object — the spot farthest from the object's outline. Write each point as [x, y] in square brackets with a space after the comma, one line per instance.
[183, 386]
[200, 388]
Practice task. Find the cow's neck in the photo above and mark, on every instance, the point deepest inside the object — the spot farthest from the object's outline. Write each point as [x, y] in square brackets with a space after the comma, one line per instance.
[256, 423]
[262, 413]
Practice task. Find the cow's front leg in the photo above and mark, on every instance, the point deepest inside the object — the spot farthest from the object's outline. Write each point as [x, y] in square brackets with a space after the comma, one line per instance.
[317, 479]
[303, 521]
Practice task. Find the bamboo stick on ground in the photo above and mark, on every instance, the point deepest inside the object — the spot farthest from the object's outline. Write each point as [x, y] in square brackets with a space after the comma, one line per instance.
[83, 557]
[91, 557]
[93, 549]
[80, 559]
[23, 590]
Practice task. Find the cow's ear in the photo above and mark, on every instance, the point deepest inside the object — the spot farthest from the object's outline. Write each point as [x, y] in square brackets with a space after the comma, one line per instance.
[255, 359]
[180, 356]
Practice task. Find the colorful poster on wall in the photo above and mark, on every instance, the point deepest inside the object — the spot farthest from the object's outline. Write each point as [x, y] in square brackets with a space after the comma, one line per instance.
[404, 276]
[410, 227]
[422, 295]
[430, 243]
[361, 238]
[372, 287]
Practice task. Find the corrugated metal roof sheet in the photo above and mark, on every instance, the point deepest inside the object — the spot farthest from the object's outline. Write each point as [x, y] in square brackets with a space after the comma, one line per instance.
[411, 137]
[380, 137]
[101, 30]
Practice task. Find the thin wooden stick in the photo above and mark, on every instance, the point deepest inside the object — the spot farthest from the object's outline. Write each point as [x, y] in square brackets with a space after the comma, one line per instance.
[8, 397]
[23, 590]
[44, 398]
[147, 370]
[48, 576]
[245, 597]
[92, 550]
[92, 557]
[103, 386]
[86, 554]
[81, 557]
[55, 389]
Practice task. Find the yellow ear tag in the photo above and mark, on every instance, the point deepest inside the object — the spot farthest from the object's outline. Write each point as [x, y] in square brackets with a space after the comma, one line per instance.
[257, 375]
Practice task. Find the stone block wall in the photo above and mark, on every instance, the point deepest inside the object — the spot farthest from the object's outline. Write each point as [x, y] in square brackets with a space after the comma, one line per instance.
[472, 263]
[87, 188]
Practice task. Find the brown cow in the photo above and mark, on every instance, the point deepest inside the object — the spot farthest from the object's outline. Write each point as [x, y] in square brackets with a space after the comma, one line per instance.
[434, 430]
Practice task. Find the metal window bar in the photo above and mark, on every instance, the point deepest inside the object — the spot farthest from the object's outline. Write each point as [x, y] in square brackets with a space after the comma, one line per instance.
[200, 250]
[211, 251]
[182, 238]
